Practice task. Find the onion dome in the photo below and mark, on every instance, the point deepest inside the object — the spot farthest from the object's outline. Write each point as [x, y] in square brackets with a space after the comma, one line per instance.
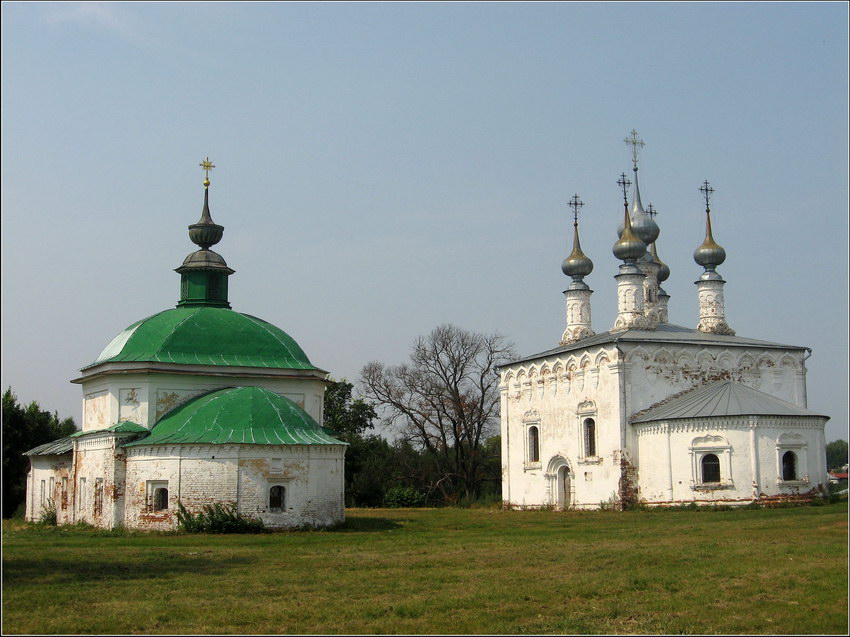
[237, 415]
[643, 226]
[664, 270]
[205, 233]
[204, 272]
[709, 255]
[577, 264]
[628, 247]
[205, 336]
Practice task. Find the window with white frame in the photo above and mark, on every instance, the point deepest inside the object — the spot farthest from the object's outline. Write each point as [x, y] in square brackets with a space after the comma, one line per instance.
[588, 438]
[589, 431]
[789, 465]
[711, 462]
[531, 438]
[82, 500]
[710, 468]
[533, 445]
[98, 496]
[791, 459]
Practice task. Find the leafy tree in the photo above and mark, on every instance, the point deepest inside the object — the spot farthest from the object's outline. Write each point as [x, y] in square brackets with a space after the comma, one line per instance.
[368, 471]
[368, 458]
[836, 454]
[347, 417]
[23, 429]
[445, 402]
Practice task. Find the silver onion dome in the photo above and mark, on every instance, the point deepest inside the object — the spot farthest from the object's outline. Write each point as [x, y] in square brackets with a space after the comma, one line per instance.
[709, 255]
[577, 264]
[628, 248]
[664, 270]
[643, 226]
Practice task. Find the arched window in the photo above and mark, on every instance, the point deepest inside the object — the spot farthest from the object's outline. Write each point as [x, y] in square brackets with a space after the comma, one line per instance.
[277, 499]
[710, 468]
[789, 466]
[589, 437]
[160, 499]
[533, 445]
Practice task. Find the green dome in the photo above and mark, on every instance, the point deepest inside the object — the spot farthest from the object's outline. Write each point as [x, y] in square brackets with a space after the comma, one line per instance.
[237, 415]
[205, 336]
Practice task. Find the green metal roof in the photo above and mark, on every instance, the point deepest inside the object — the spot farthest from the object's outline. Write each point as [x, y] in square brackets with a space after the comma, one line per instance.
[55, 447]
[238, 415]
[205, 336]
[123, 427]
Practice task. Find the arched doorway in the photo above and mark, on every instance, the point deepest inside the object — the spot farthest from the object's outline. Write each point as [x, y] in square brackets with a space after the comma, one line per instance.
[564, 500]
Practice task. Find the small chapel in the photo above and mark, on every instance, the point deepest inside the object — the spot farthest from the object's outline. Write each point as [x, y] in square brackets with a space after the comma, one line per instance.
[195, 405]
[652, 412]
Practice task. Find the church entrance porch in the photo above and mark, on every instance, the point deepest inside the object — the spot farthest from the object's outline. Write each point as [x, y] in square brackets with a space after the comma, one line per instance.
[563, 500]
[560, 483]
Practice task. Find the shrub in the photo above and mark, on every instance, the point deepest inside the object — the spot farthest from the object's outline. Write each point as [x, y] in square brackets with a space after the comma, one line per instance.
[217, 518]
[47, 516]
[398, 497]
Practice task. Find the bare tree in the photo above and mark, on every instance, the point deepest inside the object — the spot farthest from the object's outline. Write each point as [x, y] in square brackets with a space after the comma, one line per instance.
[445, 401]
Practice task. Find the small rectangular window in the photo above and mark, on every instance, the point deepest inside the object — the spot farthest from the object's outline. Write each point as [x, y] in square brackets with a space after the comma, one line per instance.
[157, 495]
[533, 444]
[277, 465]
[589, 437]
[81, 499]
[710, 468]
[98, 496]
[277, 499]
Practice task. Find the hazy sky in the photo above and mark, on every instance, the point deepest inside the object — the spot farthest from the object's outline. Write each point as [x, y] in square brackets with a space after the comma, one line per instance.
[386, 167]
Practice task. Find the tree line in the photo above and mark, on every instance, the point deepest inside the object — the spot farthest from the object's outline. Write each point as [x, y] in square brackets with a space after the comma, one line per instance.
[443, 408]
[23, 429]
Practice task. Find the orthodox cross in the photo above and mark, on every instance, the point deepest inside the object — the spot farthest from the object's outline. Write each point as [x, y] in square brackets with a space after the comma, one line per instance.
[651, 211]
[636, 144]
[575, 203]
[706, 190]
[206, 166]
[624, 183]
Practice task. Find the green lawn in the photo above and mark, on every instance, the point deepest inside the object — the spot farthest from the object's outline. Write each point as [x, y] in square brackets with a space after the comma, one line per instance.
[777, 571]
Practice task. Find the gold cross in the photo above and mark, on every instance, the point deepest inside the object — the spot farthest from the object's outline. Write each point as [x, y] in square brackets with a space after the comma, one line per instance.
[207, 166]
[636, 145]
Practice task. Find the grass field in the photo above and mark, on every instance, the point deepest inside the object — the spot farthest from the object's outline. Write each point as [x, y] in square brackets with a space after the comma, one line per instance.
[446, 571]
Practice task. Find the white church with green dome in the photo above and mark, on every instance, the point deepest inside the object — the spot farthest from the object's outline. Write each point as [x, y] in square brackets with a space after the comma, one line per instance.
[195, 405]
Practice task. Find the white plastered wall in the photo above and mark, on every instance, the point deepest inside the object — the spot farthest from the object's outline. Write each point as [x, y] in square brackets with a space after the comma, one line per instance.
[197, 475]
[144, 398]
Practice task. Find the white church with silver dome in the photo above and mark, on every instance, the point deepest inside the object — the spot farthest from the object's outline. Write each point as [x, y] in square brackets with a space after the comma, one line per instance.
[651, 412]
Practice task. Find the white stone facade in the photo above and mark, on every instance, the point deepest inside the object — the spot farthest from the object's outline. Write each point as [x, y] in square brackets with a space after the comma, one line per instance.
[101, 483]
[585, 396]
[125, 393]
